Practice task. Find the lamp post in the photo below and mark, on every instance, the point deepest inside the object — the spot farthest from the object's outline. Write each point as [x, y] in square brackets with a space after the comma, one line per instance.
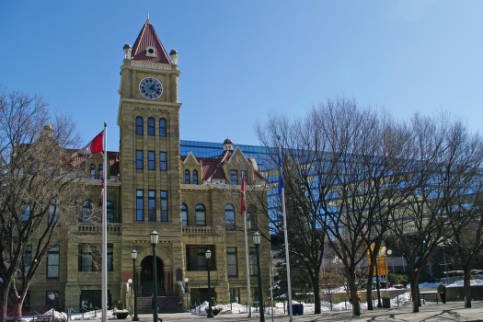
[134, 255]
[154, 241]
[389, 253]
[209, 314]
[256, 241]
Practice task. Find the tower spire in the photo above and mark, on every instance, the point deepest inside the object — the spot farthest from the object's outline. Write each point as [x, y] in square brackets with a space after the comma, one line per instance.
[148, 47]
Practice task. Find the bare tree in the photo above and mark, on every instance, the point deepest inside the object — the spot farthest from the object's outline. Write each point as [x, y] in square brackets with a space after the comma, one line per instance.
[431, 179]
[35, 174]
[301, 157]
[336, 183]
[354, 171]
[464, 199]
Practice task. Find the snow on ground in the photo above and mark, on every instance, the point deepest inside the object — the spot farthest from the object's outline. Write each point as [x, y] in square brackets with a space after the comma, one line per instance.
[279, 307]
[475, 282]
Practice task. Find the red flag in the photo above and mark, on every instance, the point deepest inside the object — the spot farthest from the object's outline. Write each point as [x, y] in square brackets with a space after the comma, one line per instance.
[96, 145]
[243, 194]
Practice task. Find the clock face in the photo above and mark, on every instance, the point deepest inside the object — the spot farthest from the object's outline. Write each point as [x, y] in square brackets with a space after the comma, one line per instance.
[151, 88]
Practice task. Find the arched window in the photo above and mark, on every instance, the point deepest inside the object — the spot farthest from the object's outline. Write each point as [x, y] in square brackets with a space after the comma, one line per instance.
[229, 217]
[150, 126]
[200, 215]
[184, 214]
[162, 127]
[139, 125]
[195, 176]
[87, 211]
[187, 176]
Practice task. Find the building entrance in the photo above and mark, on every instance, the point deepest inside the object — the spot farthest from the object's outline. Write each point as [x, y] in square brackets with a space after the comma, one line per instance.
[147, 276]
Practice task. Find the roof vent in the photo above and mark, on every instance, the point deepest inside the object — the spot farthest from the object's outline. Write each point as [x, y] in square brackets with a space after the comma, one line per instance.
[127, 51]
[173, 54]
[227, 145]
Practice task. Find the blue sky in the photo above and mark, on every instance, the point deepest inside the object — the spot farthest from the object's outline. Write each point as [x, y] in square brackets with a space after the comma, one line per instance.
[242, 61]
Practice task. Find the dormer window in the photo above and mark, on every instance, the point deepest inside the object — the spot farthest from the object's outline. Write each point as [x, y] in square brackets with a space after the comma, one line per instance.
[150, 52]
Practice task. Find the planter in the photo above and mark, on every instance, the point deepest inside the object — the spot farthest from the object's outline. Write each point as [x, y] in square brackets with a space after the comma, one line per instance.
[121, 314]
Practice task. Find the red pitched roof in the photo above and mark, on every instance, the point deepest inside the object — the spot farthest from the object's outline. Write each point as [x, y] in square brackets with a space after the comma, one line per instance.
[148, 38]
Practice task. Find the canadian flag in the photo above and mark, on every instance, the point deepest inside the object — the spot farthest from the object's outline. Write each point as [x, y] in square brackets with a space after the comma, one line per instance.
[96, 145]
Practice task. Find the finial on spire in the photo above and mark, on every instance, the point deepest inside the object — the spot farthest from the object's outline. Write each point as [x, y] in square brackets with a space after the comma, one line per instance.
[148, 17]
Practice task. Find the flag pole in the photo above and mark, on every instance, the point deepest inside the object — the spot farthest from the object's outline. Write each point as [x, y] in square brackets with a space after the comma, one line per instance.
[247, 256]
[104, 228]
[285, 235]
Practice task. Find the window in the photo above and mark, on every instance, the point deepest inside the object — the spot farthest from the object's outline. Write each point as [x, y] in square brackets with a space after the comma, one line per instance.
[195, 176]
[252, 217]
[187, 176]
[151, 161]
[253, 262]
[110, 258]
[163, 204]
[53, 211]
[150, 126]
[26, 212]
[231, 261]
[139, 205]
[234, 176]
[139, 159]
[27, 258]
[92, 171]
[200, 216]
[139, 125]
[151, 205]
[52, 299]
[101, 170]
[184, 214]
[110, 211]
[162, 127]
[90, 258]
[196, 260]
[234, 295]
[86, 262]
[87, 211]
[229, 217]
[53, 262]
[163, 161]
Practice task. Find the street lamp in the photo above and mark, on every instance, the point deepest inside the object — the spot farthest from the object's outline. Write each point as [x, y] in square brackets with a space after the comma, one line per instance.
[134, 255]
[208, 257]
[154, 241]
[256, 241]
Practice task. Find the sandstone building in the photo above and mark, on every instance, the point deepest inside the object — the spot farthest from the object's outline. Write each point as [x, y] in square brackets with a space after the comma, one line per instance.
[192, 201]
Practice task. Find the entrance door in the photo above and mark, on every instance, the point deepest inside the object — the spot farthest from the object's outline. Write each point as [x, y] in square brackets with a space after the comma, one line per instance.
[147, 276]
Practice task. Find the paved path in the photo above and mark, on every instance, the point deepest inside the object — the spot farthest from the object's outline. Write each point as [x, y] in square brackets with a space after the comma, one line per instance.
[431, 312]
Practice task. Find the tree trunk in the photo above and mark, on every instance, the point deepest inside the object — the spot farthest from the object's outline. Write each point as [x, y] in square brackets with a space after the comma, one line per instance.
[370, 305]
[467, 288]
[316, 289]
[354, 298]
[4, 308]
[369, 288]
[413, 281]
[17, 310]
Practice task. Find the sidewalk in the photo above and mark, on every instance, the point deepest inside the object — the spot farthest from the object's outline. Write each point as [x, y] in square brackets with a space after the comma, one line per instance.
[451, 311]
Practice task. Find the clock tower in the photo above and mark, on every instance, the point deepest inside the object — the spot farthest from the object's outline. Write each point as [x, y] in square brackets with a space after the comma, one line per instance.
[148, 119]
